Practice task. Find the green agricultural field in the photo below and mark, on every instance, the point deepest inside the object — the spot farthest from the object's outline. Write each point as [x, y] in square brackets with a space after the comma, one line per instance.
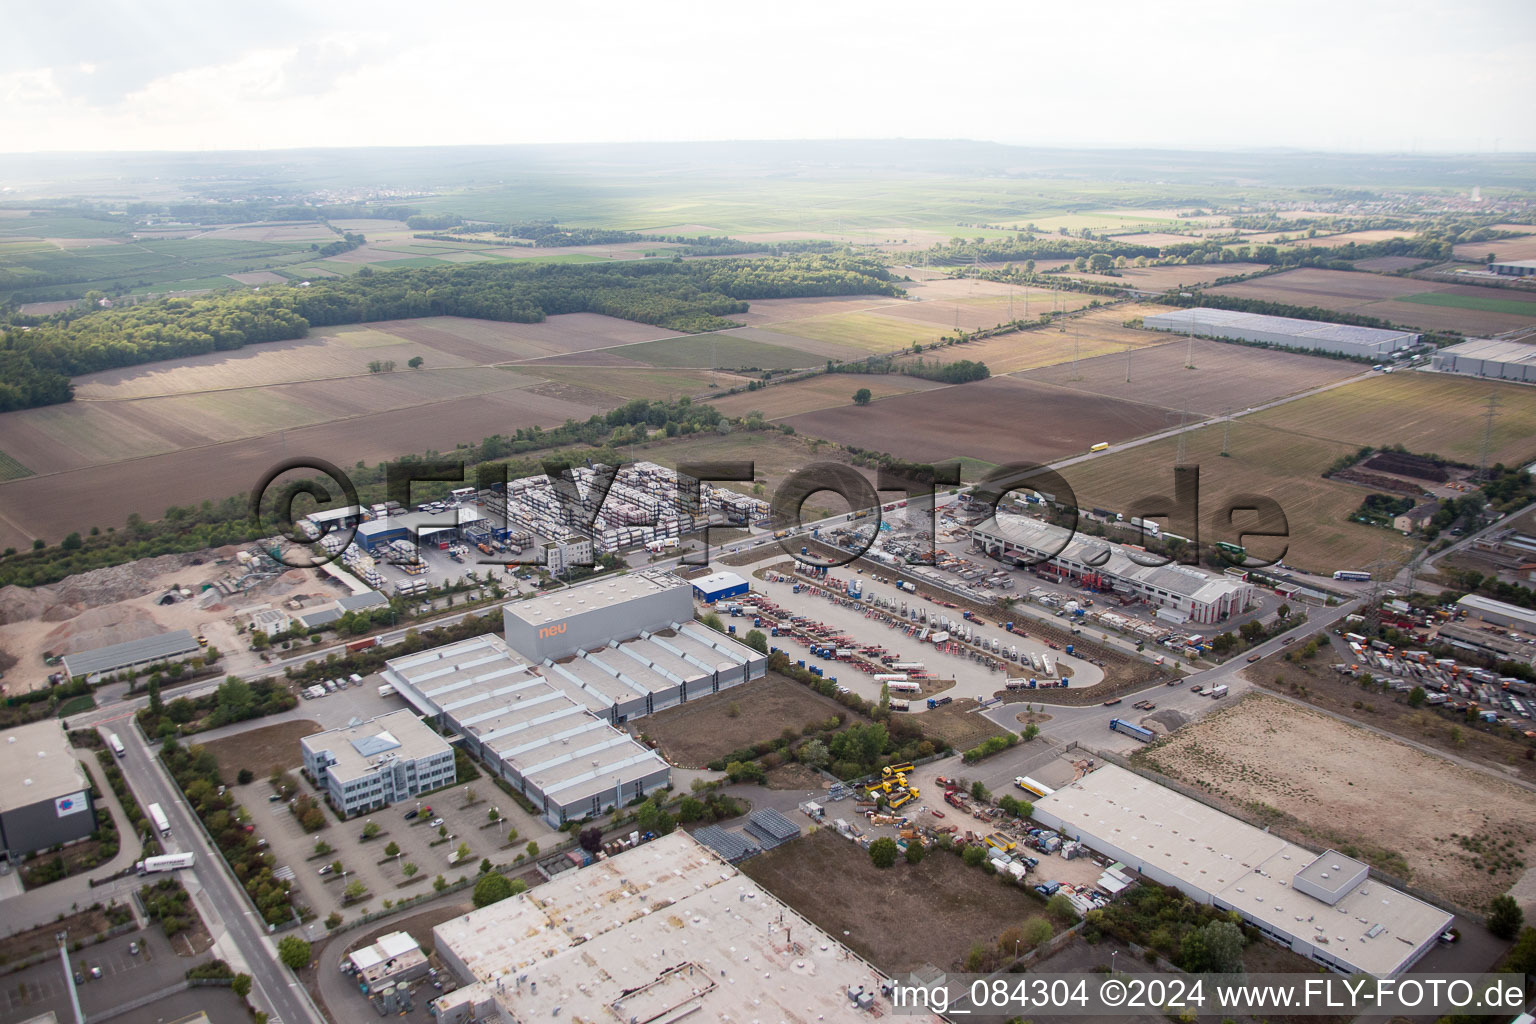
[48, 225]
[10, 469]
[719, 351]
[1476, 302]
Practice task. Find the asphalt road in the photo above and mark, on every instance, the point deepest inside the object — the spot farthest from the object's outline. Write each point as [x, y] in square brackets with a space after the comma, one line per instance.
[215, 891]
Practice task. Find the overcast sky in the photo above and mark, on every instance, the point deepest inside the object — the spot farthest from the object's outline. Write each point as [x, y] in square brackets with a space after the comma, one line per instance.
[1342, 74]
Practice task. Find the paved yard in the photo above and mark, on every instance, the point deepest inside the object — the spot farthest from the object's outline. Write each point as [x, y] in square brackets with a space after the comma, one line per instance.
[125, 977]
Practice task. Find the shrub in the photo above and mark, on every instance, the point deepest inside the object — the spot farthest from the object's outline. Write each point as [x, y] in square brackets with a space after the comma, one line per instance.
[882, 852]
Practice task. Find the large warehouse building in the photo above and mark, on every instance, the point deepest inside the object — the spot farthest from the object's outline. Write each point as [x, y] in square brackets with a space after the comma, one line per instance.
[1322, 906]
[1187, 591]
[1500, 613]
[1513, 268]
[379, 762]
[1284, 332]
[562, 622]
[664, 932]
[1489, 357]
[543, 708]
[47, 799]
[141, 653]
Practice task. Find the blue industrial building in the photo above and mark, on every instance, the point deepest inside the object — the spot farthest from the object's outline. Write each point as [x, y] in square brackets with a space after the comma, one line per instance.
[719, 586]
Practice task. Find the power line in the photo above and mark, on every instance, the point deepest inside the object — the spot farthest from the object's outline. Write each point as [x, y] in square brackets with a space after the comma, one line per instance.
[1493, 410]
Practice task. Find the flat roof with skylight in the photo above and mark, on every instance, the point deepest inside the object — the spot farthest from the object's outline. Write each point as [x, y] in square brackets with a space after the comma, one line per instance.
[663, 932]
[356, 748]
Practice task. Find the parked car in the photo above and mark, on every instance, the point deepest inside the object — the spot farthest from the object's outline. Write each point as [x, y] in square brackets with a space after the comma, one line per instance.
[326, 870]
[133, 947]
[435, 822]
[410, 815]
[274, 798]
[95, 972]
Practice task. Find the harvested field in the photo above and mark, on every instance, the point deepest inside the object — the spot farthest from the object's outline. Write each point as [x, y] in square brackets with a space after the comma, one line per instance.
[1433, 413]
[719, 350]
[1004, 419]
[819, 392]
[1523, 248]
[1232, 377]
[1162, 279]
[692, 735]
[619, 384]
[873, 332]
[1387, 264]
[1383, 297]
[989, 310]
[261, 750]
[488, 341]
[258, 277]
[1357, 237]
[1155, 238]
[52, 505]
[1284, 464]
[779, 339]
[900, 918]
[306, 232]
[85, 433]
[1329, 783]
[767, 312]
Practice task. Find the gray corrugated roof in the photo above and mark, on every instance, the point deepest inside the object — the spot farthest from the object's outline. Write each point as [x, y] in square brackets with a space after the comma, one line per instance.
[357, 602]
[164, 647]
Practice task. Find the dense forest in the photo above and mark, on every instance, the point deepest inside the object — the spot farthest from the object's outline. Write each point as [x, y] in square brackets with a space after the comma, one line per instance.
[1027, 247]
[694, 296]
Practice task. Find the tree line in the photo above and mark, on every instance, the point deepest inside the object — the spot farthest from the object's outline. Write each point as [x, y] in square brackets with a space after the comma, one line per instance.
[690, 297]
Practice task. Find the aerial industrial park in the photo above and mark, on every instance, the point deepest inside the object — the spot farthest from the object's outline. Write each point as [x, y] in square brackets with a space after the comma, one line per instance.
[457, 569]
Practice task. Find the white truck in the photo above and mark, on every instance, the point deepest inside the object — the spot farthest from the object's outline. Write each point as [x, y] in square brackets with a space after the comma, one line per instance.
[386, 690]
[157, 815]
[1216, 692]
[165, 862]
[116, 745]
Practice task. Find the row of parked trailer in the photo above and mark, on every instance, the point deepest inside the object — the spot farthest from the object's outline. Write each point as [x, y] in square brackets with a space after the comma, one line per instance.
[1447, 683]
[328, 686]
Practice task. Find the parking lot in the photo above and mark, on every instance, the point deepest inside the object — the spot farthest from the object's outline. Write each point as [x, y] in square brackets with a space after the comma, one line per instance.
[429, 849]
[125, 977]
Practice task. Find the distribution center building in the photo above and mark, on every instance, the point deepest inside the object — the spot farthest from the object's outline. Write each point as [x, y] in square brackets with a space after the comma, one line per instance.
[1284, 332]
[663, 932]
[1322, 906]
[1489, 357]
[555, 742]
[1190, 592]
[47, 799]
[379, 762]
[543, 708]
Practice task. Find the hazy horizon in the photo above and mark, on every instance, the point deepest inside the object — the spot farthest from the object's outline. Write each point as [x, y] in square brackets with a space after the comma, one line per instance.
[1413, 77]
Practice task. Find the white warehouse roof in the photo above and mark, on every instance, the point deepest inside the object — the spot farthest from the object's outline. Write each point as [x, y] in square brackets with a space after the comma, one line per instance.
[1305, 333]
[1215, 857]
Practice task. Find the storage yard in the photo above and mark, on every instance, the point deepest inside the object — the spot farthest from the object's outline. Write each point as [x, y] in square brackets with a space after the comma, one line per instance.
[1340, 785]
[878, 634]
